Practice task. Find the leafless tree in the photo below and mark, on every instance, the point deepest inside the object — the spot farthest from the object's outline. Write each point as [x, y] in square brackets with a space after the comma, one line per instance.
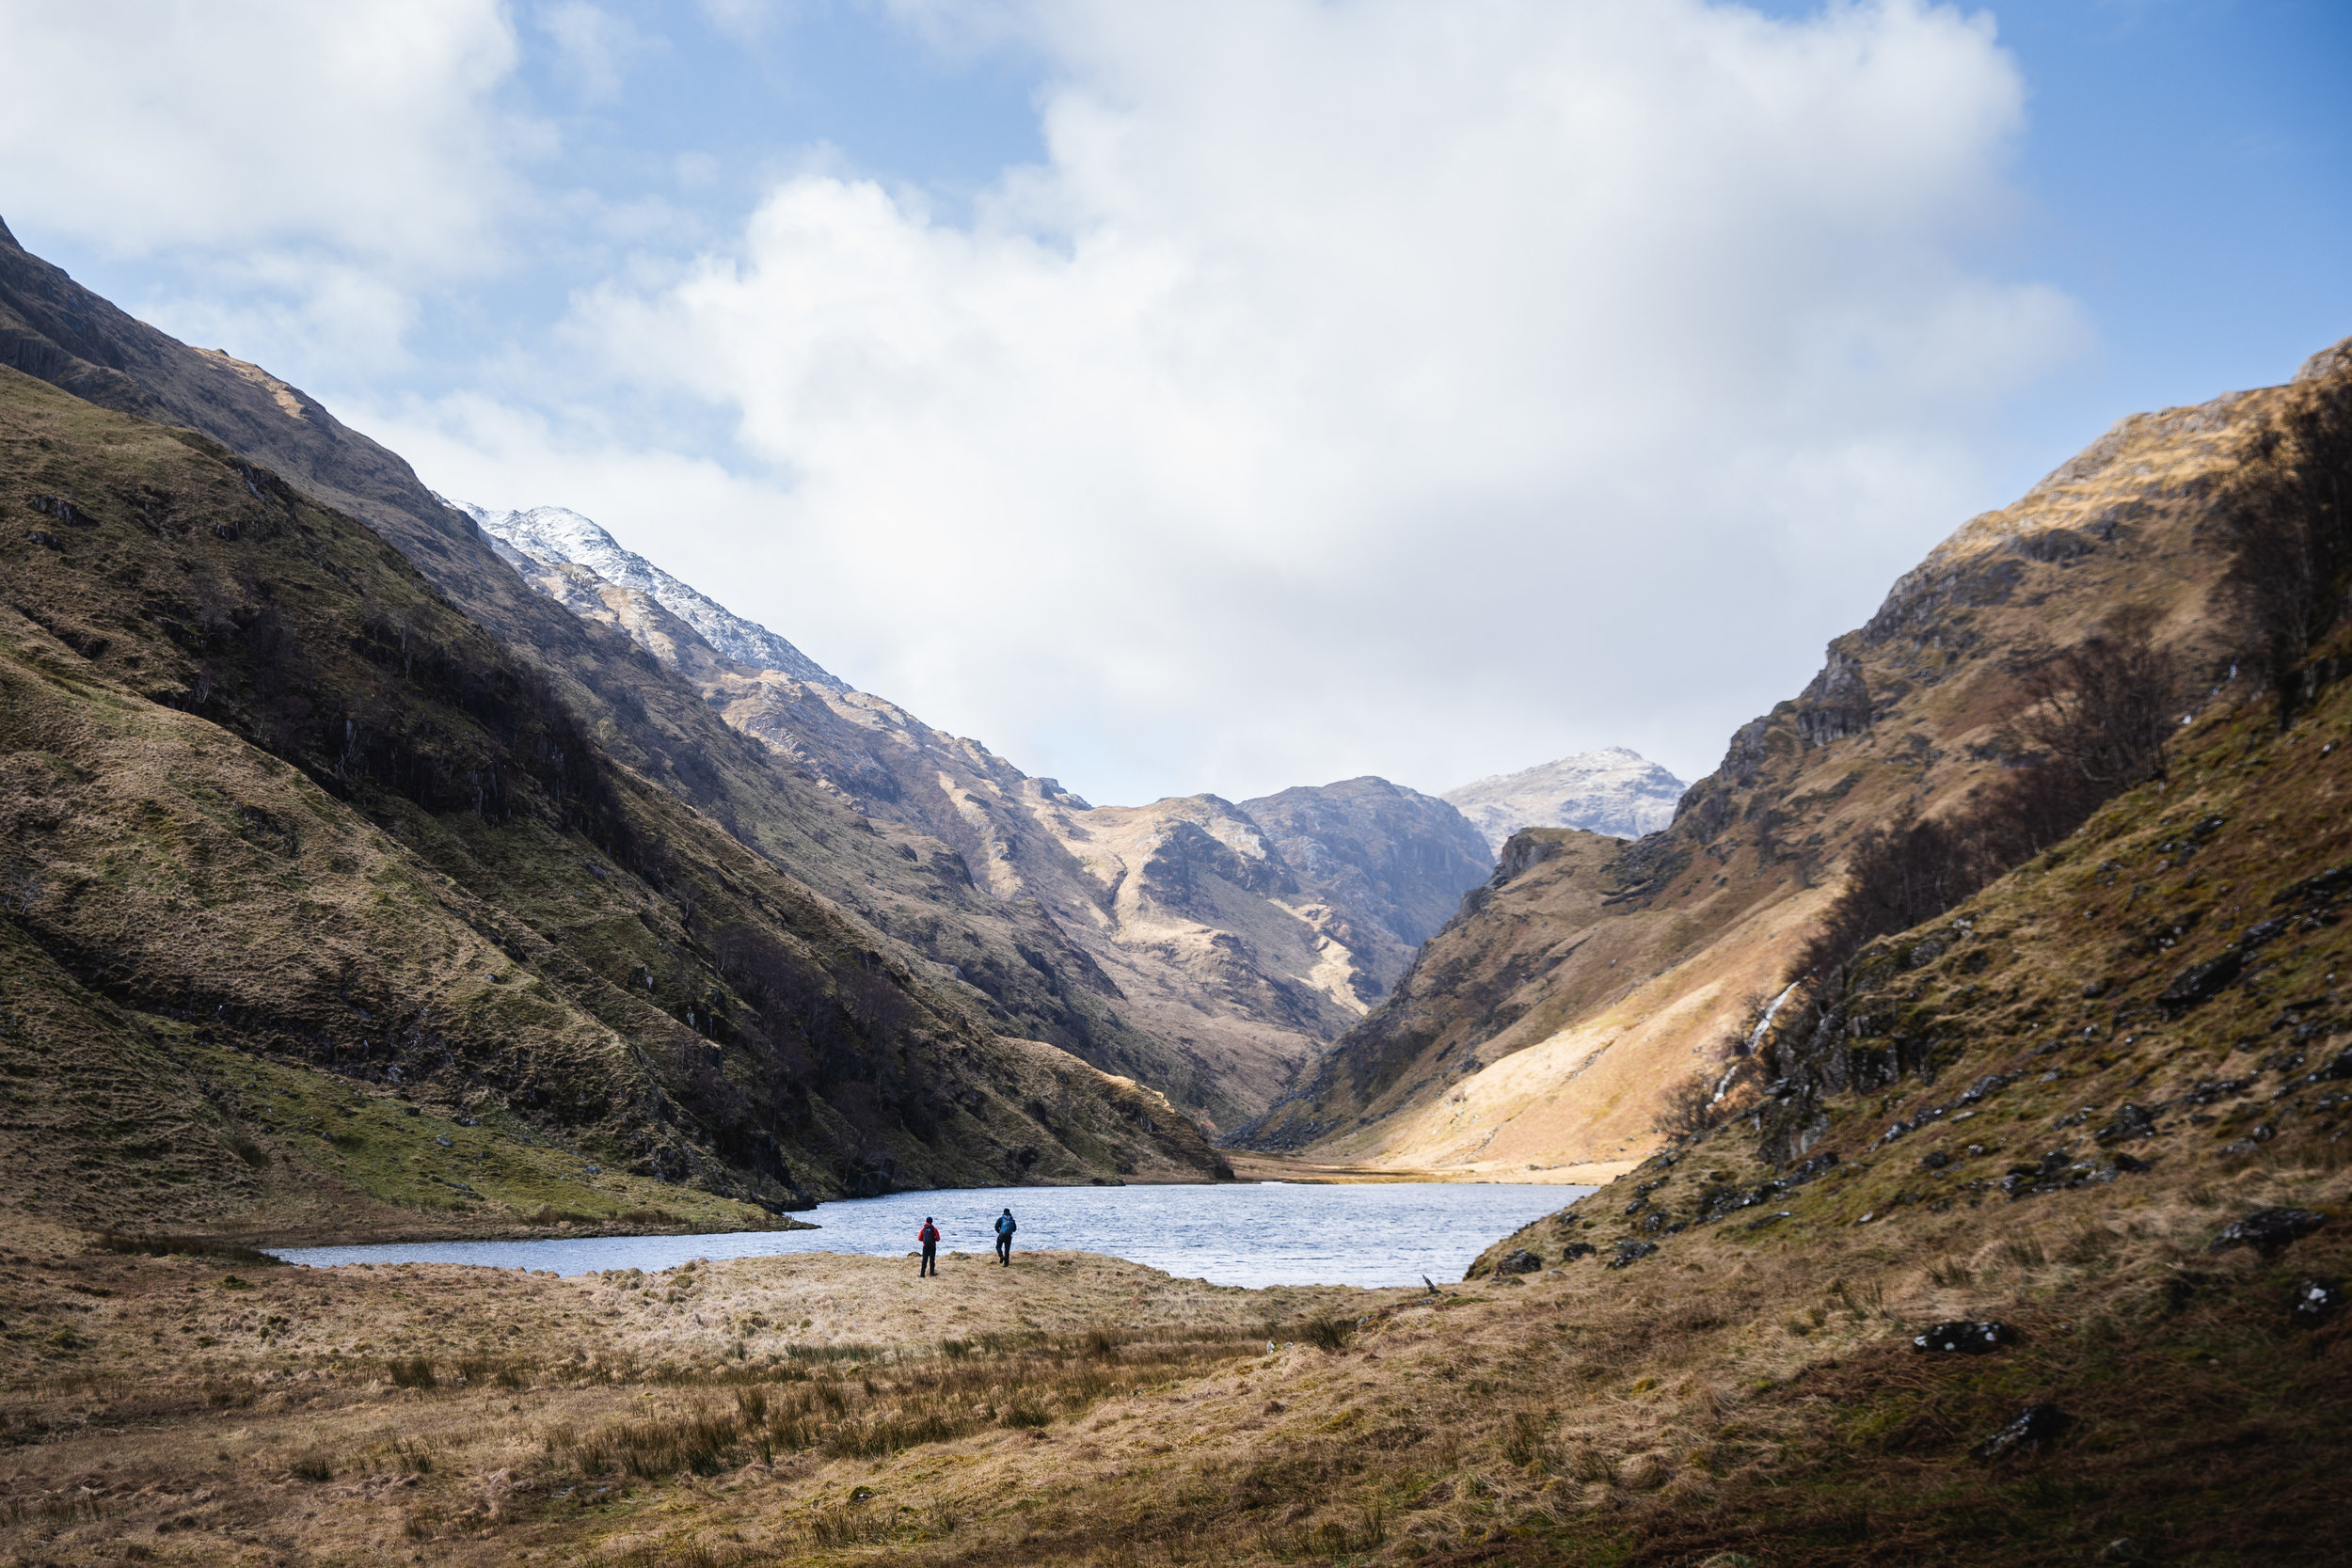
[2289, 516]
[2103, 709]
[1687, 1108]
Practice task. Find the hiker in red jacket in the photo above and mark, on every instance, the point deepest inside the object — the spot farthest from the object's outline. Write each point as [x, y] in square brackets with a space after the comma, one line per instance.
[929, 1236]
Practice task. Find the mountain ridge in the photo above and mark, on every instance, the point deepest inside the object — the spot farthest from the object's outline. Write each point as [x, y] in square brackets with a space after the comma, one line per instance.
[271, 806]
[552, 534]
[1590, 976]
[910, 891]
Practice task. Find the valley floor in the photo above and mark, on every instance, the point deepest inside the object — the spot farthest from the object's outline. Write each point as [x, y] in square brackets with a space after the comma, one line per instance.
[1746, 1391]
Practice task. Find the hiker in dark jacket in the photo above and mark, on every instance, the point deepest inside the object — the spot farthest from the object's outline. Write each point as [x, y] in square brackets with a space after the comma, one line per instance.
[929, 1236]
[1004, 1227]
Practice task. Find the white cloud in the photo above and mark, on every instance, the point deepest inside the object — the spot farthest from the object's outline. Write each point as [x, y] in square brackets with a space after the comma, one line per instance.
[299, 173]
[362, 126]
[1373, 387]
[1354, 387]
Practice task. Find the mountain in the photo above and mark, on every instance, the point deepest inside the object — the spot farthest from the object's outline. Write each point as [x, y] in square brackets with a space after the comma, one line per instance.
[715, 797]
[646, 717]
[275, 809]
[1590, 977]
[2021, 1239]
[1395, 863]
[1610, 791]
[1249, 937]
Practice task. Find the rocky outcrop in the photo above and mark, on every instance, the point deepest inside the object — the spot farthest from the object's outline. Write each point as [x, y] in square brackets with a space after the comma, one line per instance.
[1611, 791]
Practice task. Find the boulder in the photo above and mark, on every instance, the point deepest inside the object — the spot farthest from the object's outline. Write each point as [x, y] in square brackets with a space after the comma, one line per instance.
[2268, 1232]
[1522, 1261]
[2034, 1426]
[1631, 1251]
[1966, 1338]
[1575, 1250]
[2202, 982]
[2316, 1300]
[2130, 1121]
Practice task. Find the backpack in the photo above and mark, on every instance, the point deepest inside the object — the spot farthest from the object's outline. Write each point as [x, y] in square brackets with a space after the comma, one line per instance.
[929, 1235]
[1004, 1225]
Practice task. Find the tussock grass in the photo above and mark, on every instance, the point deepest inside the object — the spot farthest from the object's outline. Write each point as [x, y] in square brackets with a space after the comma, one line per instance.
[413, 1372]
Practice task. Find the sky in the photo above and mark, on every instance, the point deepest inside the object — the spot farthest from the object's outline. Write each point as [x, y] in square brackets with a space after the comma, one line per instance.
[1232, 394]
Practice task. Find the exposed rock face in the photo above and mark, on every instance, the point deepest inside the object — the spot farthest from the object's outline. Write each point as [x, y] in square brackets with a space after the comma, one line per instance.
[1610, 791]
[1589, 977]
[1395, 860]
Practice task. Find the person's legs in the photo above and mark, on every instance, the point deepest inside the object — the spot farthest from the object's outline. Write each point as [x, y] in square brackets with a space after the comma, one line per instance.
[1004, 1250]
[931, 1259]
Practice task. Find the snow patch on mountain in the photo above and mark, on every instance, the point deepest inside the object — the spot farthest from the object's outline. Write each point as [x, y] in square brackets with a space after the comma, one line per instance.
[1611, 791]
[555, 535]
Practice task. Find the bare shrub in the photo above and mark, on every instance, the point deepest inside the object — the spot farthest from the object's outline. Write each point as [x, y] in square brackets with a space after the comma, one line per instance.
[1326, 1333]
[2103, 709]
[1587, 1463]
[1687, 1108]
[1523, 1439]
[695, 1441]
[849, 1525]
[165, 1246]
[2022, 1253]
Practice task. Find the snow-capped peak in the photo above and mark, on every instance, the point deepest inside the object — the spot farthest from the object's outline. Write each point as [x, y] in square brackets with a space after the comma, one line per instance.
[556, 535]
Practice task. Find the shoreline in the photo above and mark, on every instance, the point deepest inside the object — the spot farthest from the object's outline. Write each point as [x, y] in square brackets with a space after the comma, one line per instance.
[1250, 1169]
[1253, 1166]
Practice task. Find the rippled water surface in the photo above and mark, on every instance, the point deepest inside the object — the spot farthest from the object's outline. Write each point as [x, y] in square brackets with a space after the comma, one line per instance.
[1256, 1233]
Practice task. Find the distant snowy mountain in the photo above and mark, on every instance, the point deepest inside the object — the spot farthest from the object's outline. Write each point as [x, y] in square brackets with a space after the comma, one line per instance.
[554, 536]
[1609, 791]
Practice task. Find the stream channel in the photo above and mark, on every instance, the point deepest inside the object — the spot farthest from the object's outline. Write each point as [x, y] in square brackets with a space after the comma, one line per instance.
[1248, 1233]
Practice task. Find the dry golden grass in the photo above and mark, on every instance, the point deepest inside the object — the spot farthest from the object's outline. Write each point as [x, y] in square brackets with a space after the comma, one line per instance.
[1733, 1393]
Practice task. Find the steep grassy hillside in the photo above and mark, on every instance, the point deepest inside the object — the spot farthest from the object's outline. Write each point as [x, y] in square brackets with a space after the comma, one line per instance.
[1588, 982]
[1018, 965]
[267, 796]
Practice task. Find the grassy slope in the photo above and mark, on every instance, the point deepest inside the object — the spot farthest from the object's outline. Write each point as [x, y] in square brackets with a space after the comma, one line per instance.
[2207, 1421]
[1698, 918]
[294, 868]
